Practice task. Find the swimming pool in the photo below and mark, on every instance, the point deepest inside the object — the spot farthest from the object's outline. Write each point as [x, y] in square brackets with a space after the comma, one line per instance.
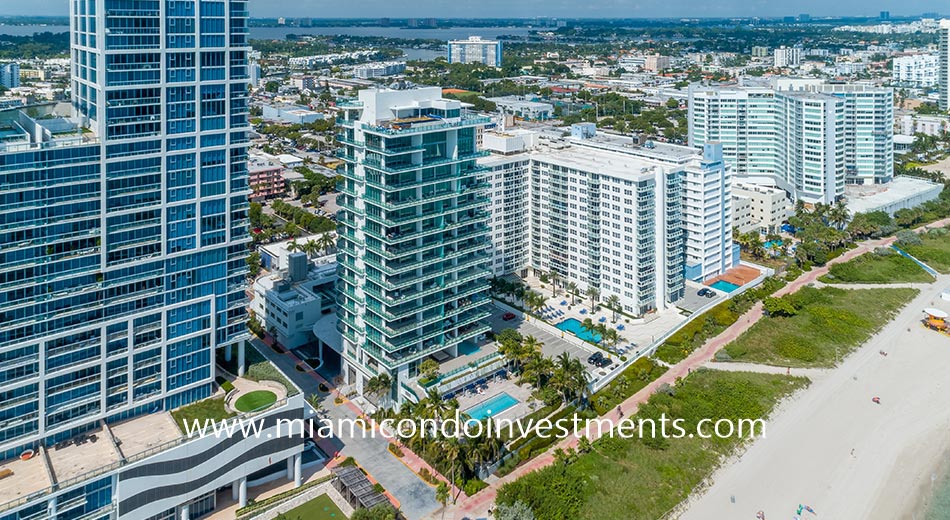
[724, 286]
[773, 244]
[492, 406]
[573, 325]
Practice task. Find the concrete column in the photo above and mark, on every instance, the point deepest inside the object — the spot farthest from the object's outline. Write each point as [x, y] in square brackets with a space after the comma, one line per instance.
[240, 362]
[298, 469]
[290, 468]
[235, 490]
[185, 512]
[242, 493]
[227, 353]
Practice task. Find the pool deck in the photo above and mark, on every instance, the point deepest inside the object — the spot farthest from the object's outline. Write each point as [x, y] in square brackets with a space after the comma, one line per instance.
[526, 404]
[738, 275]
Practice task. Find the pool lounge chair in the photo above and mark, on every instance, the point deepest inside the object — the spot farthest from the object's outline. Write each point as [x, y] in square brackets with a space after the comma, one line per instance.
[602, 319]
[583, 311]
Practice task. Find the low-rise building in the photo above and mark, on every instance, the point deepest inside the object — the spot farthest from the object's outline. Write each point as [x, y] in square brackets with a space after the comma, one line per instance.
[265, 178]
[293, 114]
[903, 192]
[768, 207]
[290, 301]
[524, 108]
[378, 70]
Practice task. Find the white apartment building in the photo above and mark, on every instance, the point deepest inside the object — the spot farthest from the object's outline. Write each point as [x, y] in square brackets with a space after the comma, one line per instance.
[289, 302]
[787, 57]
[631, 220]
[475, 50]
[929, 125]
[379, 70]
[944, 67]
[759, 207]
[916, 70]
[804, 136]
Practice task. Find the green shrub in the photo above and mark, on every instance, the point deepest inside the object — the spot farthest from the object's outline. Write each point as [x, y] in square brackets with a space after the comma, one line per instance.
[473, 486]
[395, 450]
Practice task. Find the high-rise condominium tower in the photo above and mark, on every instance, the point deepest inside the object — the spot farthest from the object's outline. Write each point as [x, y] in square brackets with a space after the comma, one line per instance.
[413, 262]
[123, 237]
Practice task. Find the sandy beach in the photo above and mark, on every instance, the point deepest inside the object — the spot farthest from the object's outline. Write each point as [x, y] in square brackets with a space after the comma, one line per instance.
[897, 445]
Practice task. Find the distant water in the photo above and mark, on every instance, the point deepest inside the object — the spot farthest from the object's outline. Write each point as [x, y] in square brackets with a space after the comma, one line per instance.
[29, 30]
[453, 33]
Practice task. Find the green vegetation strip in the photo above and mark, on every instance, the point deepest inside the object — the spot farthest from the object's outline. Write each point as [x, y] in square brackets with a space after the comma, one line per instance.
[201, 411]
[814, 327]
[934, 249]
[257, 507]
[643, 479]
[255, 400]
[882, 266]
[320, 508]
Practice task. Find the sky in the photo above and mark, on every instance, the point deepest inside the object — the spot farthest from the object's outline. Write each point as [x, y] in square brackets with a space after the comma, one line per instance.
[542, 8]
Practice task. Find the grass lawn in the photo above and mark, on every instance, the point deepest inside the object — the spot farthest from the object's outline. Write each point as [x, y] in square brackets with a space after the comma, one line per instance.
[257, 367]
[935, 251]
[829, 319]
[320, 508]
[642, 479]
[201, 411]
[875, 268]
[255, 400]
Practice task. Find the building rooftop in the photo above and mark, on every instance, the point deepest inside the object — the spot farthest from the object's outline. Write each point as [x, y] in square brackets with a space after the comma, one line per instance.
[29, 476]
[651, 150]
[145, 433]
[82, 455]
[601, 161]
[862, 199]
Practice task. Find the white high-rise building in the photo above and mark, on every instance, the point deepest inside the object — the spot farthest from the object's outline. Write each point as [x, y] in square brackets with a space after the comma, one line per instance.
[917, 70]
[944, 67]
[475, 50]
[630, 220]
[804, 136]
[787, 57]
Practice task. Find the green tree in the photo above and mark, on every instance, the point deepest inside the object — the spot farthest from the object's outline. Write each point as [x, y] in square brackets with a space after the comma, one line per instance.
[254, 264]
[515, 511]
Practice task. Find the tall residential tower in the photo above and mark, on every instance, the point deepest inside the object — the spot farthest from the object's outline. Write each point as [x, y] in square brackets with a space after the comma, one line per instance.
[123, 237]
[413, 242]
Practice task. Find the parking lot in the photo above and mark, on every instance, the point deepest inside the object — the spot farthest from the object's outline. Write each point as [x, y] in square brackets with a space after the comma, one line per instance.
[692, 301]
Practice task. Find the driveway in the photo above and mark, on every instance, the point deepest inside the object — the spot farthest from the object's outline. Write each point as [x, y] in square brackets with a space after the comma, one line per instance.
[416, 498]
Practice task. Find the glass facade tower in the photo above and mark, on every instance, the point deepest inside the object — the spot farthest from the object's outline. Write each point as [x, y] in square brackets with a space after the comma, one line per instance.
[123, 261]
[413, 242]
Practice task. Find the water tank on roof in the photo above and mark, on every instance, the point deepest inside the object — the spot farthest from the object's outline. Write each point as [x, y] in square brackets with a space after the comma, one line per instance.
[297, 266]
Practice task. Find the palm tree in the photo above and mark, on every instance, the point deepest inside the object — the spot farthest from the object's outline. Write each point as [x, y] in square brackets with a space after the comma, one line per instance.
[533, 301]
[451, 449]
[310, 247]
[569, 377]
[593, 294]
[293, 246]
[838, 215]
[434, 407]
[442, 495]
[588, 324]
[611, 337]
[613, 303]
[379, 386]
[530, 347]
[326, 242]
[537, 370]
[315, 402]
[572, 289]
[555, 282]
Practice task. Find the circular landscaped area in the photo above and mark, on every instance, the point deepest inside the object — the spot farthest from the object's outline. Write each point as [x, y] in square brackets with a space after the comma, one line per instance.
[255, 400]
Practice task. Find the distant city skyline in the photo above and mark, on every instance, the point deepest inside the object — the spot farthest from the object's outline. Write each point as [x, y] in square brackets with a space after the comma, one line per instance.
[543, 8]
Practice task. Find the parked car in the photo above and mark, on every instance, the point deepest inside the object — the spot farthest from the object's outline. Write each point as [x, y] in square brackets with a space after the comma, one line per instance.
[605, 362]
[508, 316]
[703, 292]
[595, 358]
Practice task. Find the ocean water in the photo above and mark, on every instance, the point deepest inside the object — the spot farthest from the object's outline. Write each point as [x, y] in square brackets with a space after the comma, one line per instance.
[939, 505]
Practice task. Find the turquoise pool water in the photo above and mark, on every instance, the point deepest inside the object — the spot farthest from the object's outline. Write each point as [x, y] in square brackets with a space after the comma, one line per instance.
[573, 325]
[724, 286]
[492, 406]
[773, 244]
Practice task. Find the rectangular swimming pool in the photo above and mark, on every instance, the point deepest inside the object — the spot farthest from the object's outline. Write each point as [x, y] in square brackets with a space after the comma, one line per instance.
[724, 286]
[573, 325]
[491, 407]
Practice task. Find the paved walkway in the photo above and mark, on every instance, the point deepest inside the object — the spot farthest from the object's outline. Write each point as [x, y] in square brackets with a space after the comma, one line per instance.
[414, 497]
[478, 505]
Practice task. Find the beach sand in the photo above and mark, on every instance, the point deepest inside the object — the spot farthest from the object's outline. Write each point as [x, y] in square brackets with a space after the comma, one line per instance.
[807, 455]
